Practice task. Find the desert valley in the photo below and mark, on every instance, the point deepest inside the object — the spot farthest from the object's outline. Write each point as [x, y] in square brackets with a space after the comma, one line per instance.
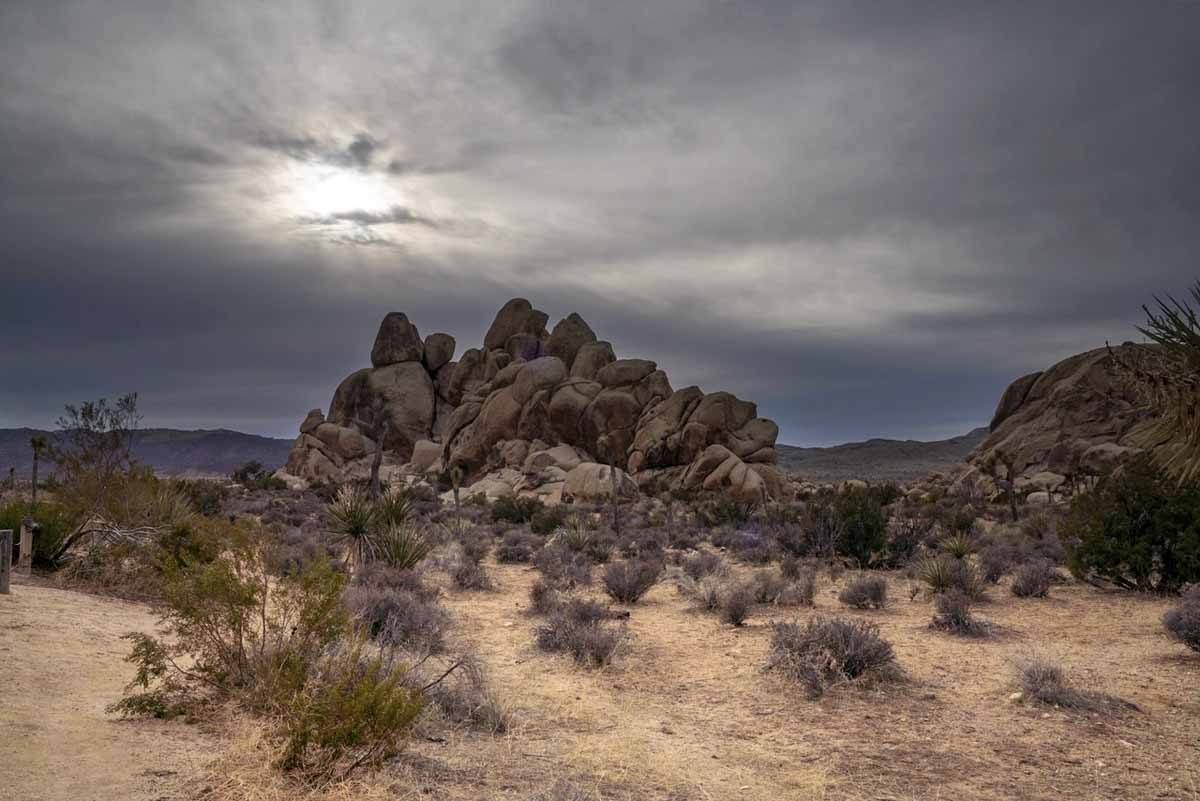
[580, 400]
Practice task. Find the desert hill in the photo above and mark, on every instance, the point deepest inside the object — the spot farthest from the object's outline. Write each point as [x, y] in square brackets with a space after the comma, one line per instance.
[879, 459]
[215, 452]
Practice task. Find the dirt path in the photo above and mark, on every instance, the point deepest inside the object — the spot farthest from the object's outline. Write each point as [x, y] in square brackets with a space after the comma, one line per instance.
[61, 662]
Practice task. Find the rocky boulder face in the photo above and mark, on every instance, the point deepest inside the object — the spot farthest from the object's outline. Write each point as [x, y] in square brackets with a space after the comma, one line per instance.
[1074, 419]
[537, 407]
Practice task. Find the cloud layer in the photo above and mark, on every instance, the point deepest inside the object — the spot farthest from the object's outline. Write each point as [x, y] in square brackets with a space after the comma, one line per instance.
[867, 218]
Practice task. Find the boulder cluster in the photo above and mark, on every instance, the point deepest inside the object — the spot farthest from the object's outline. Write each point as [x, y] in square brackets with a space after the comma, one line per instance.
[1076, 419]
[550, 413]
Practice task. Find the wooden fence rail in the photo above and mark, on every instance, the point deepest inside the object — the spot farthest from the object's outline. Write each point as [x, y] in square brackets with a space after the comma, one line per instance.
[6, 548]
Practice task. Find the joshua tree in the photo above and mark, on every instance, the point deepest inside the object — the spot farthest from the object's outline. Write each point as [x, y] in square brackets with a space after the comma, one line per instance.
[37, 443]
[1166, 375]
[604, 444]
[1008, 483]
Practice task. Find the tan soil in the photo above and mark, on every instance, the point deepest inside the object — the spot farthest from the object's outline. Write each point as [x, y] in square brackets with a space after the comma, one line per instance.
[685, 713]
[61, 659]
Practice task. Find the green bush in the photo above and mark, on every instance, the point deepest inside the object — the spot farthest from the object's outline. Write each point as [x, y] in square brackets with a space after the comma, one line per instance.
[512, 509]
[281, 647]
[55, 524]
[863, 523]
[1138, 529]
[205, 496]
[545, 521]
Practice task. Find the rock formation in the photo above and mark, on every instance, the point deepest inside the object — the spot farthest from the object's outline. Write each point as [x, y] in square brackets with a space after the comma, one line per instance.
[537, 407]
[1074, 419]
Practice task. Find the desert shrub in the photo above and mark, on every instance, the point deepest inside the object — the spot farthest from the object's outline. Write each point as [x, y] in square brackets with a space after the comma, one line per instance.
[724, 511]
[1045, 681]
[704, 563]
[205, 496]
[1040, 536]
[826, 651]
[704, 594]
[517, 547]
[953, 614]
[629, 580]
[543, 598]
[791, 567]
[644, 543]
[792, 539]
[466, 697]
[1032, 580]
[943, 573]
[512, 509]
[683, 538]
[545, 521]
[475, 544]
[352, 710]
[863, 524]
[737, 602]
[252, 475]
[468, 574]
[995, 561]
[1138, 529]
[904, 536]
[563, 568]
[768, 586]
[580, 629]
[865, 592]
[800, 591]
[1182, 622]
[398, 618]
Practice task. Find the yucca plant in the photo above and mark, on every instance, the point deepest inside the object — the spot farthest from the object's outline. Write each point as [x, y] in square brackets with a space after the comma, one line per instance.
[396, 506]
[1166, 376]
[575, 533]
[943, 573]
[959, 546]
[402, 546]
[355, 522]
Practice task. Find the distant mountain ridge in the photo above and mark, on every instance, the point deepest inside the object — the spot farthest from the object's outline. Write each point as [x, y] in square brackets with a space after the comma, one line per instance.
[879, 459]
[215, 452]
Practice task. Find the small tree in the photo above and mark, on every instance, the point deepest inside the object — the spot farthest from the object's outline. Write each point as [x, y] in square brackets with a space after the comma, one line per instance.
[94, 449]
[604, 444]
[1008, 481]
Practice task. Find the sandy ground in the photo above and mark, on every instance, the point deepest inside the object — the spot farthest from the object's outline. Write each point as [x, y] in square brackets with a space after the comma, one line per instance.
[61, 661]
[686, 712]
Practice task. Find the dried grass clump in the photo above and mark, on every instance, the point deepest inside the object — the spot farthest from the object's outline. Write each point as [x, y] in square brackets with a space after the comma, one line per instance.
[704, 563]
[580, 628]
[398, 618]
[1033, 580]
[1045, 682]
[466, 697]
[704, 594]
[867, 592]
[737, 602]
[953, 614]
[562, 567]
[1183, 622]
[629, 580]
[829, 651]
[518, 547]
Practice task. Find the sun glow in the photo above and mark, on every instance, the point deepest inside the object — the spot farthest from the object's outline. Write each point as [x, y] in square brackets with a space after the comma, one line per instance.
[320, 191]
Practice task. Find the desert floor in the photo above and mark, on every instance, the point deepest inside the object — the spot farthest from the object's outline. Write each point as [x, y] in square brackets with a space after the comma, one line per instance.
[686, 711]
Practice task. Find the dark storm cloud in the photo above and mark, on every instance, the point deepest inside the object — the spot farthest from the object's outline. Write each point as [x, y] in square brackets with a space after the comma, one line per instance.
[866, 217]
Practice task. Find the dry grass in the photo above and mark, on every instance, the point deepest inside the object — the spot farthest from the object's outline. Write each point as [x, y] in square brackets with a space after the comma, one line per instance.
[687, 712]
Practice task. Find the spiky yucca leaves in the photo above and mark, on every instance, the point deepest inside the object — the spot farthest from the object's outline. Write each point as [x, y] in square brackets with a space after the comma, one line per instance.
[356, 524]
[575, 533]
[1167, 378]
[396, 506]
[402, 546]
[959, 546]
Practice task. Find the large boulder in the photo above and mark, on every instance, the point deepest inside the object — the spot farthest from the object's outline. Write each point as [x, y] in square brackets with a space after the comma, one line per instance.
[591, 358]
[405, 393]
[569, 335]
[515, 317]
[1079, 417]
[397, 341]
[591, 481]
[439, 350]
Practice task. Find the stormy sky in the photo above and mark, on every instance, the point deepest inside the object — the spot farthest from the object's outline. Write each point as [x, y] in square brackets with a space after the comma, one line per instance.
[867, 217]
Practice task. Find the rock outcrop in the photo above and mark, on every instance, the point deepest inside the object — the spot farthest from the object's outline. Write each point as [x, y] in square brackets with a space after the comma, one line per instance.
[541, 405]
[1076, 418]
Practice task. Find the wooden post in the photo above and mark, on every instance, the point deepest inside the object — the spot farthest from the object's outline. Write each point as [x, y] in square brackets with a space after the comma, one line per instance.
[6, 542]
[25, 565]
